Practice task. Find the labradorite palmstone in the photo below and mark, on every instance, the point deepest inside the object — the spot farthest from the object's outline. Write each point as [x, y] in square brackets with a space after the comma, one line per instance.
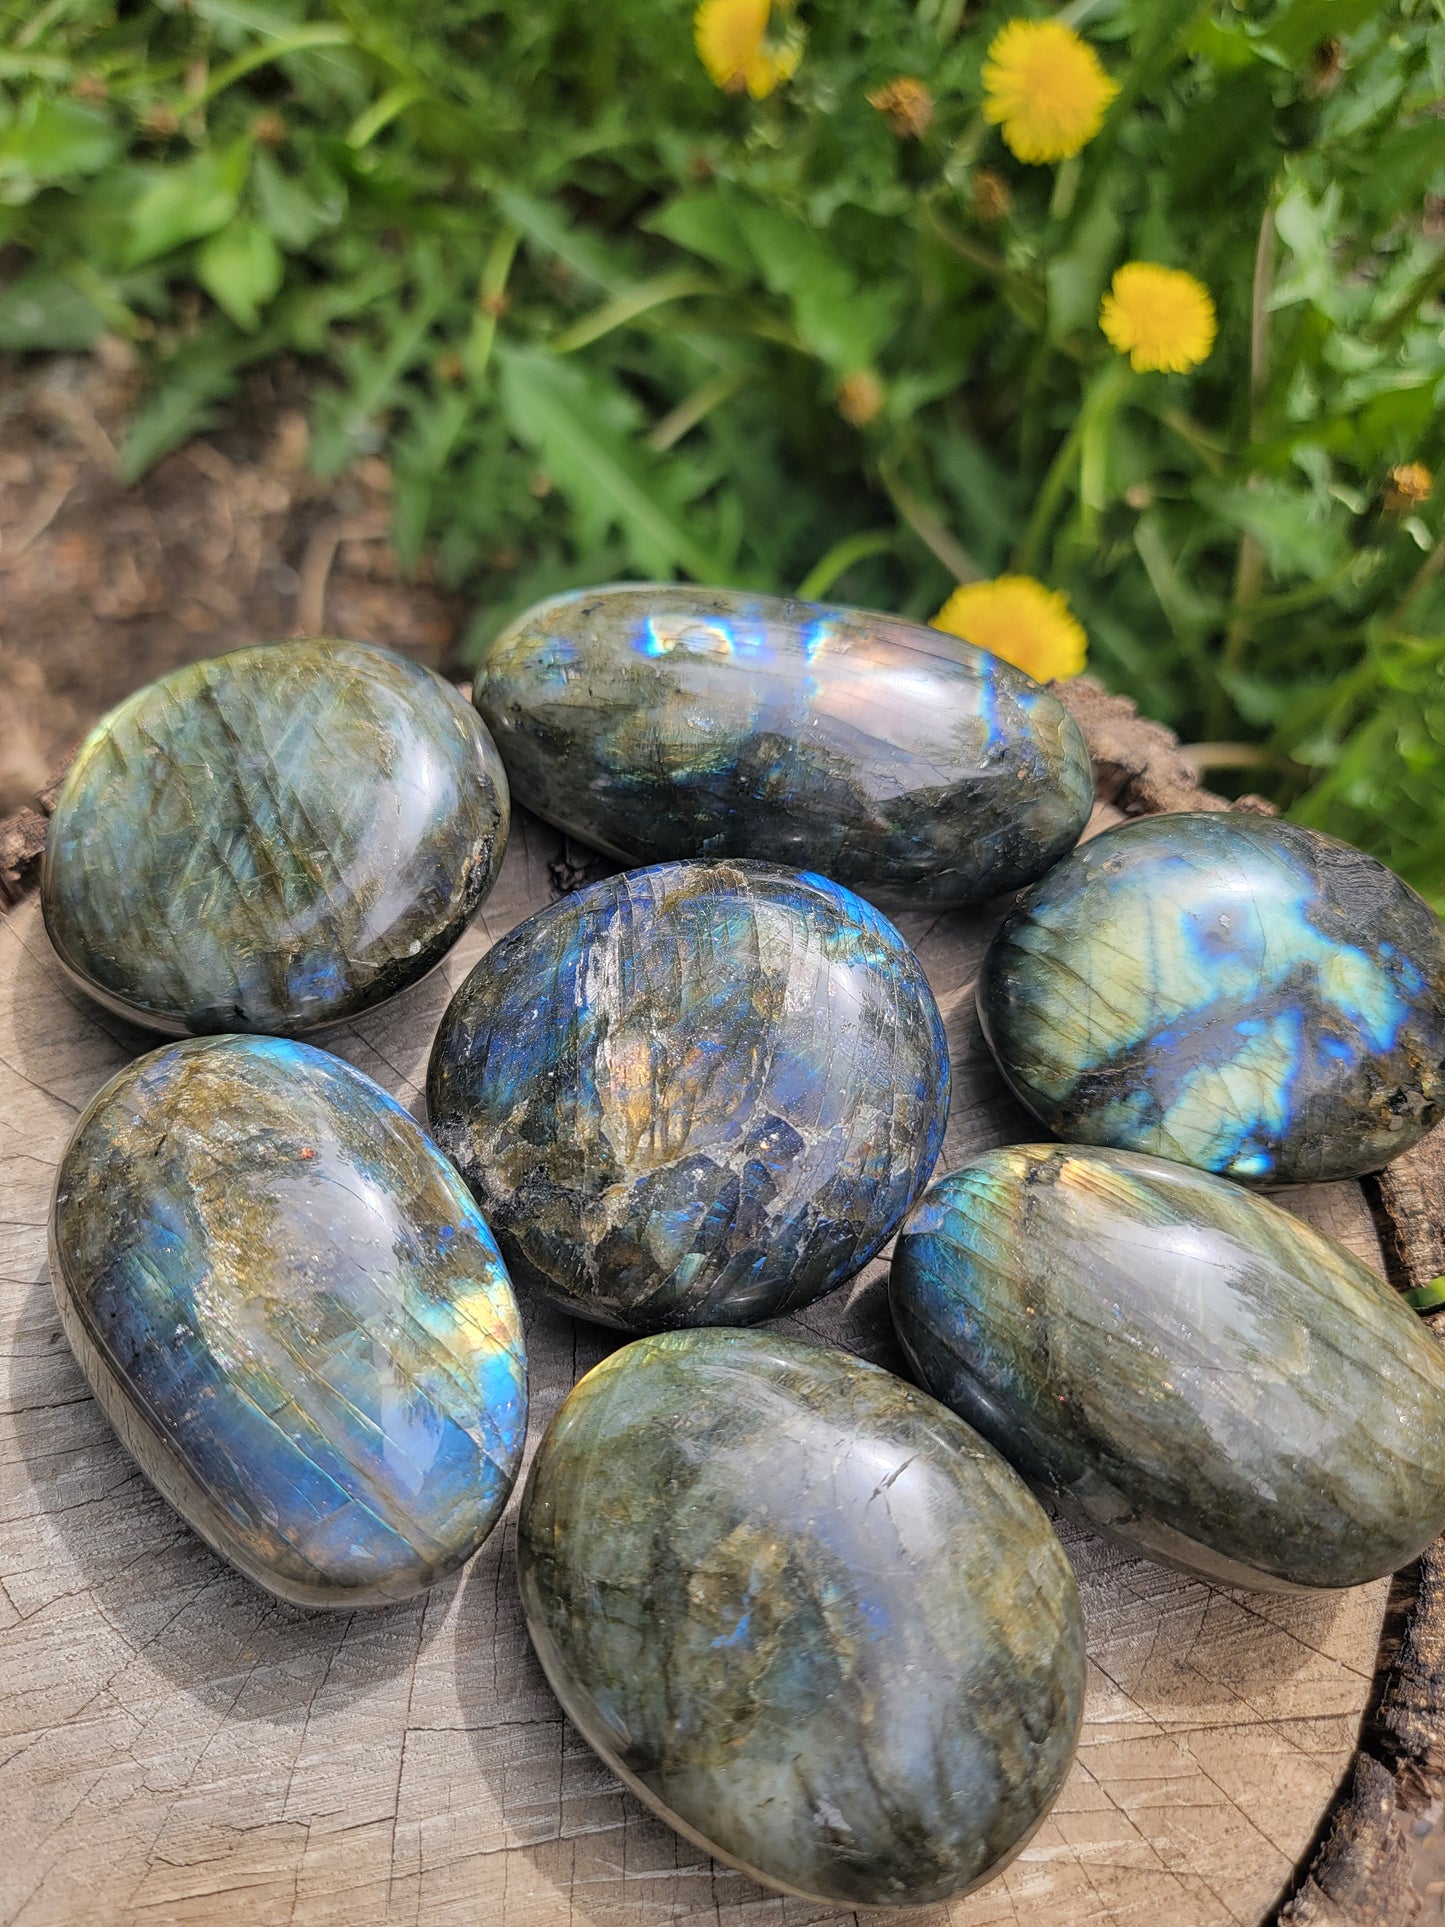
[273, 840]
[698, 1094]
[1237, 993]
[1178, 1363]
[809, 1616]
[659, 722]
[292, 1312]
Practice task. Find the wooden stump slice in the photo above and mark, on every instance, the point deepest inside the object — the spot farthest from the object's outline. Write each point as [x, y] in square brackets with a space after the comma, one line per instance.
[177, 1746]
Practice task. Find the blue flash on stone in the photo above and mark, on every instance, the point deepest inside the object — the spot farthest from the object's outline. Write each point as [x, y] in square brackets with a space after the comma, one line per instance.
[273, 840]
[805, 1613]
[1232, 991]
[707, 722]
[295, 1316]
[701, 1093]
[1178, 1363]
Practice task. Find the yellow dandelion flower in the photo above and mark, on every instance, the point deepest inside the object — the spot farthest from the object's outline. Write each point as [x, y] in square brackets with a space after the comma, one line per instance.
[1045, 88]
[732, 43]
[1019, 619]
[1161, 318]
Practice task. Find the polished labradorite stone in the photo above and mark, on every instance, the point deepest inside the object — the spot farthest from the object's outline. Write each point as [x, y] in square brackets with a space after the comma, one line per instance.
[273, 840]
[660, 722]
[699, 1094]
[1238, 993]
[294, 1316]
[1178, 1363]
[809, 1616]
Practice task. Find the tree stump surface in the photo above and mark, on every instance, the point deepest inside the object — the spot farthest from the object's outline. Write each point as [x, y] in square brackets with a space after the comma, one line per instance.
[177, 1746]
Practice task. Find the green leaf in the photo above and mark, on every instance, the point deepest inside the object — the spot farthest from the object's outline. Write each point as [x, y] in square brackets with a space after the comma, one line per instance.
[548, 230]
[623, 309]
[1302, 25]
[1394, 422]
[578, 430]
[183, 402]
[1308, 229]
[240, 268]
[290, 208]
[705, 223]
[184, 203]
[1288, 525]
[843, 325]
[1229, 49]
[346, 422]
[57, 140]
[236, 18]
[43, 309]
[1427, 1297]
[1076, 279]
[299, 40]
[23, 66]
[1186, 611]
[422, 453]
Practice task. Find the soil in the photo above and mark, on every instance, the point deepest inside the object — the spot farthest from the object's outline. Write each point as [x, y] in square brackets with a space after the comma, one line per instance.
[230, 540]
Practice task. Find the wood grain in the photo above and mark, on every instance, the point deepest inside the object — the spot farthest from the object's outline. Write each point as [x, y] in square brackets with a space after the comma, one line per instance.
[175, 1746]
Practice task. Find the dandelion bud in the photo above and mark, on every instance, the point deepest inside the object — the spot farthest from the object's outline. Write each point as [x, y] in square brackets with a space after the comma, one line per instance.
[1327, 66]
[992, 199]
[1408, 486]
[906, 104]
[860, 397]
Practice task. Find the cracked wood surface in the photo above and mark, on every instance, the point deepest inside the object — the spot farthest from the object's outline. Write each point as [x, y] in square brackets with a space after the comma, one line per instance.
[175, 1746]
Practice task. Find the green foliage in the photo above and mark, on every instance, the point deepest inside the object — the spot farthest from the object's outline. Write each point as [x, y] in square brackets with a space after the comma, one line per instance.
[607, 320]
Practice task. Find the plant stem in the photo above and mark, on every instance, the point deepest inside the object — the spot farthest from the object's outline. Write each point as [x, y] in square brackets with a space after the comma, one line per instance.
[1248, 579]
[38, 22]
[381, 113]
[1066, 188]
[627, 307]
[1231, 756]
[679, 421]
[1432, 566]
[299, 41]
[929, 530]
[1260, 294]
[490, 291]
[840, 558]
[1049, 497]
[1101, 400]
[1249, 566]
[1269, 608]
[1426, 284]
[1209, 451]
[987, 262]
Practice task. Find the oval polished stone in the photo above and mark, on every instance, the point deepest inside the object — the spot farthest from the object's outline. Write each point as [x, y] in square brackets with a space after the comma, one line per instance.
[1231, 991]
[293, 1314]
[660, 722]
[273, 840]
[805, 1613]
[1178, 1363]
[698, 1094]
